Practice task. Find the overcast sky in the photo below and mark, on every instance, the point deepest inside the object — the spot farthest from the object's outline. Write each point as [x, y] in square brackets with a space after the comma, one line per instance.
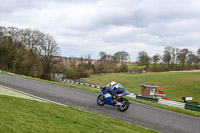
[82, 27]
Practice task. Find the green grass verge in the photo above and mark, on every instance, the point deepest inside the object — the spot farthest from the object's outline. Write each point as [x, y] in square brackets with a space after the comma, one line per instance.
[22, 115]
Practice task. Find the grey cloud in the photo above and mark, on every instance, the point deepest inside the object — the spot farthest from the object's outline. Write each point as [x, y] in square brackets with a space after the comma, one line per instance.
[8, 6]
[112, 24]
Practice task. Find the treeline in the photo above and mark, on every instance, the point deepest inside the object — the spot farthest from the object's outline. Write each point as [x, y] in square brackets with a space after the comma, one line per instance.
[173, 59]
[33, 53]
[28, 52]
[83, 67]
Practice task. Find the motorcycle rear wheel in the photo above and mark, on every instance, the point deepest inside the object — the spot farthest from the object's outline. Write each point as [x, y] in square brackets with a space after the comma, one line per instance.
[124, 106]
[99, 101]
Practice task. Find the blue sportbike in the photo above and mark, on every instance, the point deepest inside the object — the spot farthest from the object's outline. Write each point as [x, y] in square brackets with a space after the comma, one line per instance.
[107, 98]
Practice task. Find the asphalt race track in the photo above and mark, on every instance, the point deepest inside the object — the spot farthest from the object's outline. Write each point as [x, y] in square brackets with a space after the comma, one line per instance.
[139, 114]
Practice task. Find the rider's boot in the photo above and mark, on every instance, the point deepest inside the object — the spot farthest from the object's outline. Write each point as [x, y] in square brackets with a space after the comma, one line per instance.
[115, 96]
[118, 103]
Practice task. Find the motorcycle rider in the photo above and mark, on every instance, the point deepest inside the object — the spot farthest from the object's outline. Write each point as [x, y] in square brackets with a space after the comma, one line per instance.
[116, 89]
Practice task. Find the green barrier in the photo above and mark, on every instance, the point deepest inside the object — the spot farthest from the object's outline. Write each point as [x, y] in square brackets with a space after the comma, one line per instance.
[147, 98]
[192, 107]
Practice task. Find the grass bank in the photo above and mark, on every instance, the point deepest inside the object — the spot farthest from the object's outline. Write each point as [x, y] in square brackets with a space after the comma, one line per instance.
[22, 115]
[175, 84]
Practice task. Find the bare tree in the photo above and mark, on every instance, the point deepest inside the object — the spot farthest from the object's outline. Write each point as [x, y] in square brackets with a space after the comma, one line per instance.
[156, 58]
[32, 40]
[177, 52]
[143, 58]
[169, 56]
[102, 55]
[47, 51]
[183, 56]
[198, 56]
[122, 56]
[191, 58]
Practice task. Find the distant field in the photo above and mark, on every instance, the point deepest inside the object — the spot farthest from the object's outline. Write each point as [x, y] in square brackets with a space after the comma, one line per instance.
[135, 66]
[22, 115]
[174, 84]
[131, 66]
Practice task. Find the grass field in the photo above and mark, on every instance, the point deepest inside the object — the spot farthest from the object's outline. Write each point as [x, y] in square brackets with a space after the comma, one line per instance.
[22, 115]
[175, 84]
[131, 66]
[135, 66]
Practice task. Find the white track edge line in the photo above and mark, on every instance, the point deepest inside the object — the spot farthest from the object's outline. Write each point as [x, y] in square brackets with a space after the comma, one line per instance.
[43, 99]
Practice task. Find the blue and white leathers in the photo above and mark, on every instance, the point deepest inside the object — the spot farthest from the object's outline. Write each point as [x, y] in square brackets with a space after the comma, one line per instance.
[119, 89]
[106, 98]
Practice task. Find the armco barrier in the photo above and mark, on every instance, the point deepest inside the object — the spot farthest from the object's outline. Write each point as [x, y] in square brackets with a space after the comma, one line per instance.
[172, 103]
[192, 107]
[132, 95]
[147, 98]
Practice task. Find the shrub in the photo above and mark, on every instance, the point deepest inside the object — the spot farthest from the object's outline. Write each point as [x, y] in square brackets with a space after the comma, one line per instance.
[124, 68]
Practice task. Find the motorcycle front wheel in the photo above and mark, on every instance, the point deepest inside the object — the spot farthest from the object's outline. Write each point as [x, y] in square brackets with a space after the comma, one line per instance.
[124, 106]
[100, 100]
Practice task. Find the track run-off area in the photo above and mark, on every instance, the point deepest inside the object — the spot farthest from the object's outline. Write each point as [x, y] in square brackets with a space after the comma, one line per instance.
[139, 114]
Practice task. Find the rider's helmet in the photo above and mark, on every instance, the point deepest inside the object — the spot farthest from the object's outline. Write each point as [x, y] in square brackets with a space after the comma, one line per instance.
[112, 84]
[115, 86]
